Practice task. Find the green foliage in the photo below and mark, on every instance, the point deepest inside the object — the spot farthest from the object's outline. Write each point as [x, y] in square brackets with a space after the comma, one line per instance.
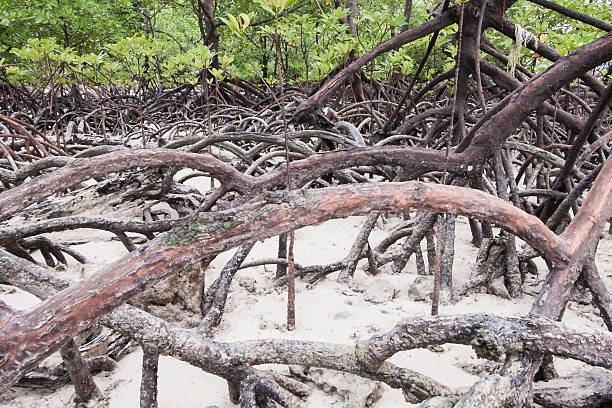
[189, 64]
[63, 41]
[275, 7]
[237, 25]
[44, 61]
[561, 33]
[128, 62]
[85, 25]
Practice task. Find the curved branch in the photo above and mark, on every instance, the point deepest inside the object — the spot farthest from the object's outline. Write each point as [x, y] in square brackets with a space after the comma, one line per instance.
[497, 126]
[507, 28]
[11, 234]
[304, 110]
[28, 338]
[586, 227]
[491, 336]
[145, 327]
[78, 170]
[15, 177]
[567, 12]
[415, 160]
[581, 237]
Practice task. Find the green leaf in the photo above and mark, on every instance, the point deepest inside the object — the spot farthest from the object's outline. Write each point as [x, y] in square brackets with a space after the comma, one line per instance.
[266, 6]
[234, 22]
[289, 3]
[233, 25]
[244, 21]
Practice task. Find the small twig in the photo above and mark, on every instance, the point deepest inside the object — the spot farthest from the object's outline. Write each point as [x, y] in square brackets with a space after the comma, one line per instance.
[148, 386]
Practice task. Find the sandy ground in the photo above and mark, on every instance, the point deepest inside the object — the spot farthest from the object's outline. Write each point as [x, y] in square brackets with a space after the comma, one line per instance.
[328, 312]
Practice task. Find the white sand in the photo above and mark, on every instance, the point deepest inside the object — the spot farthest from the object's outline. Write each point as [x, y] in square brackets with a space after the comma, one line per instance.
[330, 312]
